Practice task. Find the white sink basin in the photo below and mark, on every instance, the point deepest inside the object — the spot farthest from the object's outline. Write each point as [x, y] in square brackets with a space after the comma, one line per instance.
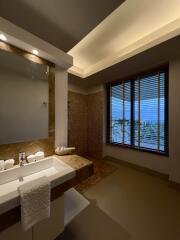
[56, 170]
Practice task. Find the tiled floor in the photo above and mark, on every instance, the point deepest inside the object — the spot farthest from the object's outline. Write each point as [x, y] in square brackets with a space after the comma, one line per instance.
[128, 204]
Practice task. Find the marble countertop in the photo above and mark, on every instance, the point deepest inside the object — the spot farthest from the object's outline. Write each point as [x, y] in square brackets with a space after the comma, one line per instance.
[75, 161]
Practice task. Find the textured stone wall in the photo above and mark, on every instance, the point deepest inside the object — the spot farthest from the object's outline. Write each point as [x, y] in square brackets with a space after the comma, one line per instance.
[77, 122]
[85, 123]
[95, 124]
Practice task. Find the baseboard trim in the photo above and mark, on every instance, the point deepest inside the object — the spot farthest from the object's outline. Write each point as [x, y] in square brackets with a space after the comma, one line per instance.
[145, 170]
[137, 167]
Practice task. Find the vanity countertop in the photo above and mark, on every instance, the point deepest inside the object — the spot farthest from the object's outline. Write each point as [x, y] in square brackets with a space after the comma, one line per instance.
[83, 168]
[75, 161]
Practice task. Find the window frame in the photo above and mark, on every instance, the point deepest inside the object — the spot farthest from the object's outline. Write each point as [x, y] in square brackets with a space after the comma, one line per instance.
[134, 77]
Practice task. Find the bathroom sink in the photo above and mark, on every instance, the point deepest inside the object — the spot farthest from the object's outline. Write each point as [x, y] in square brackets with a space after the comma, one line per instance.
[56, 171]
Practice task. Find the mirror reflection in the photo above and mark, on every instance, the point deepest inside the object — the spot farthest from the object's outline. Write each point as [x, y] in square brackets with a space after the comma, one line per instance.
[24, 96]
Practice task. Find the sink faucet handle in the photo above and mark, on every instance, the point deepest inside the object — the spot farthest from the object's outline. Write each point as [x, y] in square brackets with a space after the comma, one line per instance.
[22, 158]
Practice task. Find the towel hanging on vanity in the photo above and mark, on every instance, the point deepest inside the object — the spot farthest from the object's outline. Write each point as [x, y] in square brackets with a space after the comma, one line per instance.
[35, 202]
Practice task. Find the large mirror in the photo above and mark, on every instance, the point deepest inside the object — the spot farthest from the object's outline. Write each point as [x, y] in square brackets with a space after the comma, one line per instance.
[24, 97]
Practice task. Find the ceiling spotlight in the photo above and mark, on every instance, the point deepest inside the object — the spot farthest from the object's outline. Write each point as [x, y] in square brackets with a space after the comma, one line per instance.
[2, 37]
[35, 52]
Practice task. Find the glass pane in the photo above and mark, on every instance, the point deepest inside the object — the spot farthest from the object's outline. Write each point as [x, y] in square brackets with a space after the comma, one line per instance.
[127, 112]
[116, 113]
[136, 113]
[149, 112]
[162, 111]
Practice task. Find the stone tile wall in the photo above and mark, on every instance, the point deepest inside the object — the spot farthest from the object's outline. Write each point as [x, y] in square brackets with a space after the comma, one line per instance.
[85, 123]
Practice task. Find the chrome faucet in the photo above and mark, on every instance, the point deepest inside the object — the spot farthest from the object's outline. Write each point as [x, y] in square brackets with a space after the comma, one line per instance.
[22, 159]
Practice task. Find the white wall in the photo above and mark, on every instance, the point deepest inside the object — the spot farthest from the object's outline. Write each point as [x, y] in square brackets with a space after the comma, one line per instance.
[61, 110]
[168, 165]
[144, 159]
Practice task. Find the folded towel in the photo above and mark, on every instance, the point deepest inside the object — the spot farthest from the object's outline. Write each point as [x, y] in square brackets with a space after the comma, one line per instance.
[64, 150]
[31, 158]
[35, 202]
[9, 163]
[1, 165]
[39, 155]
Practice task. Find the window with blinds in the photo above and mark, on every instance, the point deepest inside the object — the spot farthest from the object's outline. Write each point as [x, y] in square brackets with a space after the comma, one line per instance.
[137, 112]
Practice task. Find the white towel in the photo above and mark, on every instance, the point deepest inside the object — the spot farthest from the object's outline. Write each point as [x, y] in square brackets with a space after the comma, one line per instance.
[9, 163]
[35, 202]
[1, 165]
[31, 158]
[39, 155]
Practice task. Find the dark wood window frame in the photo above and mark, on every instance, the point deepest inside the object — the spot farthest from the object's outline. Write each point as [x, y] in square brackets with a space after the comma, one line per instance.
[165, 69]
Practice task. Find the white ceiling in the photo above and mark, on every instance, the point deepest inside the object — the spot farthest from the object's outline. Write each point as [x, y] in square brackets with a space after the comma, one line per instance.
[133, 27]
[62, 23]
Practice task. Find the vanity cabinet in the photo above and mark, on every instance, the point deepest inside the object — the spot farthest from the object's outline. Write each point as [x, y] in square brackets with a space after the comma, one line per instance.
[66, 204]
[48, 229]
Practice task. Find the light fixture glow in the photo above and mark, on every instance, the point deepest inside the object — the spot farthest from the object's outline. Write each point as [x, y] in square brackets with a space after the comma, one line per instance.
[35, 52]
[3, 37]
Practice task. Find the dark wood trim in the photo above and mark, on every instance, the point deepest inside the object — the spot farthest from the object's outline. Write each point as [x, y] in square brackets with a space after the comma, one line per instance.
[137, 75]
[162, 68]
[14, 216]
[108, 114]
[12, 49]
[166, 89]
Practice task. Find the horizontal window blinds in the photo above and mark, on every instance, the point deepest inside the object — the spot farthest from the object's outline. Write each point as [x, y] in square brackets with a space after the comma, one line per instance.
[137, 112]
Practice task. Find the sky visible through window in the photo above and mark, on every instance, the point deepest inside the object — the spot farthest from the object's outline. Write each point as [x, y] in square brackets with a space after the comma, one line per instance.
[150, 128]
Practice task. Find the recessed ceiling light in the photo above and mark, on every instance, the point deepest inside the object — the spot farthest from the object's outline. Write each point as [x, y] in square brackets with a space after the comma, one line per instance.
[35, 52]
[2, 37]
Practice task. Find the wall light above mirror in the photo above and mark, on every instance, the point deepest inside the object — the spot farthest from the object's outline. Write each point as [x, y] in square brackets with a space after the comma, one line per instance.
[3, 37]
